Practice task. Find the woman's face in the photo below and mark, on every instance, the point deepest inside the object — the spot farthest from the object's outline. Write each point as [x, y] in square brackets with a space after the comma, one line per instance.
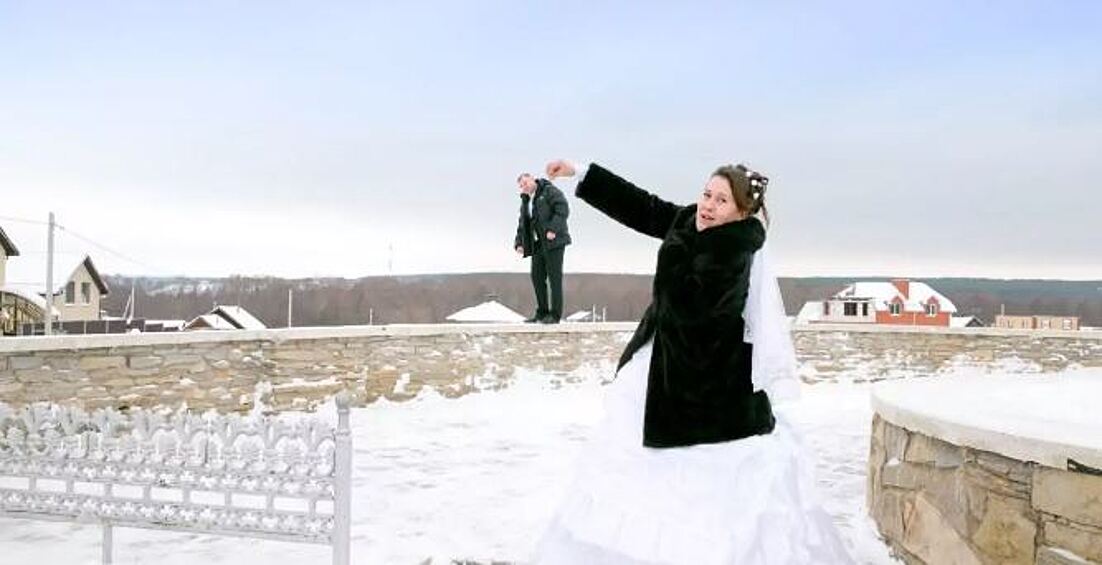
[716, 205]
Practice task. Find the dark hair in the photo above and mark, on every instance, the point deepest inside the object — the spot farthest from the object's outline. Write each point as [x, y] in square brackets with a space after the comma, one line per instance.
[747, 188]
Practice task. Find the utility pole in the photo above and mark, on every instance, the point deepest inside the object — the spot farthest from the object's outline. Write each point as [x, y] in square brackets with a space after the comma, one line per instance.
[290, 305]
[50, 278]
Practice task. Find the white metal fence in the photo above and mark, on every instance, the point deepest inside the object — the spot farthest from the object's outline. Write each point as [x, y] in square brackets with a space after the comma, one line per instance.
[263, 477]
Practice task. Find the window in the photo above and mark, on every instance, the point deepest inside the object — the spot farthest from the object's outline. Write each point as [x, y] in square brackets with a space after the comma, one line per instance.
[85, 293]
[826, 308]
[931, 309]
[1067, 324]
[895, 308]
[850, 308]
[865, 309]
[1046, 324]
[71, 293]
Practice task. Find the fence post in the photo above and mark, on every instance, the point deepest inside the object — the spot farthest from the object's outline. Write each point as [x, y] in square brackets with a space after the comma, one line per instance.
[106, 549]
[342, 484]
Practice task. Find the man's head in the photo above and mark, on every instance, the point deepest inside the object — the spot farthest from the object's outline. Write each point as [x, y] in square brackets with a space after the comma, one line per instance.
[527, 183]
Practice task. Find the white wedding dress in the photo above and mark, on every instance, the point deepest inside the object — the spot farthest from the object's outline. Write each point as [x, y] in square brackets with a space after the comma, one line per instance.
[751, 501]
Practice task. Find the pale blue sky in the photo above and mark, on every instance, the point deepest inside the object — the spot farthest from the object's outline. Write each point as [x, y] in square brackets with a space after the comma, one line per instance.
[284, 138]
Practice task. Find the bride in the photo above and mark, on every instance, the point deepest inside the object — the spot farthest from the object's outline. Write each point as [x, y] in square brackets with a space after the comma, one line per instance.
[690, 465]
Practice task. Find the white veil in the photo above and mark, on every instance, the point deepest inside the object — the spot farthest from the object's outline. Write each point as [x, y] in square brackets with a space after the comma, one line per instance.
[767, 328]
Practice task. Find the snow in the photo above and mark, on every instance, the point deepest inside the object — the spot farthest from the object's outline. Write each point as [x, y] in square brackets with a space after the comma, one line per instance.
[884, 292]
[810, 312]
[212, 322]
[1044, 418]
[580, 316]
[32, 297]
[240, 315]
[489, 311]
[476, 477]
[960, 321]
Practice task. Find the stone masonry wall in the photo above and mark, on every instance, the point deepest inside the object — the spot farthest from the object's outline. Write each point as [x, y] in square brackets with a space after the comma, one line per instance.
[938, 503]
[301, 367]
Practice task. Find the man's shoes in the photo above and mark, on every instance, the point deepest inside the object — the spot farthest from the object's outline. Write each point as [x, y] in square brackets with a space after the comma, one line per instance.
[549, 320]
[534, 319]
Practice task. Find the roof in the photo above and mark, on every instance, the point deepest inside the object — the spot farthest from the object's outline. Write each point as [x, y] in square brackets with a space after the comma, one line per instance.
[964, 322]
[489, 311]
[28, 272]
[211, 321]
[38, 300]
[239, 317]
[811, 312]
[9, 246]
[580, 316]
[883, 293]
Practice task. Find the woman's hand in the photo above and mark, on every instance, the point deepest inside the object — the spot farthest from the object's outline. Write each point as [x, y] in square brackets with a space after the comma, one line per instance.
[560, 168]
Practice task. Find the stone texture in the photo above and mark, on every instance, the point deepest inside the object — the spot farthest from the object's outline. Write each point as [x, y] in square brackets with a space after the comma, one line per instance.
[942, 503]
[1058, 556]
[1082, 541]
[93, 363]
[1075, 496]
[25, 362]
[144, 362]
[1006, 533]
[928, 535]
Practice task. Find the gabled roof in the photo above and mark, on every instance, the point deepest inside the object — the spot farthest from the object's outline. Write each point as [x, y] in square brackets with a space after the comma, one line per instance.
[883, 293]
[9, 246]
[28, 272]
[489, 311]
[212, 321]
[239, 317]
[226, 318]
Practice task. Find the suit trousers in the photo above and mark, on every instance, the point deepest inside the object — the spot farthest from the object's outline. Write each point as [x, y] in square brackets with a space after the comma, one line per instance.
[547, 272]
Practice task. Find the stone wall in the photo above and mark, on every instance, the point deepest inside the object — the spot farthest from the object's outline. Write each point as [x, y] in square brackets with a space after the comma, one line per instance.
[879, 352]
[303, 366]
[939, 503]
[294, 368]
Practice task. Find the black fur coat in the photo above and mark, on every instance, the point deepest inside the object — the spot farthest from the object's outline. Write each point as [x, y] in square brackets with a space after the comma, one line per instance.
[699, 388]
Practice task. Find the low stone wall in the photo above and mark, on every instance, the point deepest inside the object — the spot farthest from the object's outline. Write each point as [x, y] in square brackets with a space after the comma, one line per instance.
[294, 368]
[306, 365]
[880, 352]
[939, 502]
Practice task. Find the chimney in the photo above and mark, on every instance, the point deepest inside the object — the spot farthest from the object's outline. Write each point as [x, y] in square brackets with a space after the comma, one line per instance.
[904, 286]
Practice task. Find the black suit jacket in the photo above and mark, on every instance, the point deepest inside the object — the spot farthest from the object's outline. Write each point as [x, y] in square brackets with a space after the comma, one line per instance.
[549, 213]
[699, 386]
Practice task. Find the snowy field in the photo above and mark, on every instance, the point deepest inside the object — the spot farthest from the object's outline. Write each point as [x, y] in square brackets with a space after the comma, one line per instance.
[475, 478]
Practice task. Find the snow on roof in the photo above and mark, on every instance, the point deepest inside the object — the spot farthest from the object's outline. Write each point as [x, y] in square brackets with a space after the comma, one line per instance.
[28, 272]
[580, 316]
[883, 293]
[961, 321]
[489, 311]
[211, 321]
[239, 317]
[34, 298]
[810, 312]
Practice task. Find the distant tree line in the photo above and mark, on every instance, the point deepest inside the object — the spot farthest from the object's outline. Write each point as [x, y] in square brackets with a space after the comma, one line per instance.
[431, 298]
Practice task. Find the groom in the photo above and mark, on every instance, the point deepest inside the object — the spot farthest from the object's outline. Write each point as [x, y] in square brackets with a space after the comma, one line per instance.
[542, 234]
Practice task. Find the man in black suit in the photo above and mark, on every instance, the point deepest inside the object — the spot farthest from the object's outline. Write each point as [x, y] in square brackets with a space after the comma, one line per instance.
[542, 234]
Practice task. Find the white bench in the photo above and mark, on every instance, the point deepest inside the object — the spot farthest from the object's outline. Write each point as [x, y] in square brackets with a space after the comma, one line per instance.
[261, 477]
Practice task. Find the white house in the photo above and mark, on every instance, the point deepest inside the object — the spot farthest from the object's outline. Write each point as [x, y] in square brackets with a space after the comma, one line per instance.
[77, 294]
[898, 302]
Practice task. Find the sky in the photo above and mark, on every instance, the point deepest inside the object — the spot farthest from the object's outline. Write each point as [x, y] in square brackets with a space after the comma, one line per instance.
[300, 139]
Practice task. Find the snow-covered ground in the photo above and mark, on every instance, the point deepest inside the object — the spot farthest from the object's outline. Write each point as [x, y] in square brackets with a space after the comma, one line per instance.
[476, 478]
